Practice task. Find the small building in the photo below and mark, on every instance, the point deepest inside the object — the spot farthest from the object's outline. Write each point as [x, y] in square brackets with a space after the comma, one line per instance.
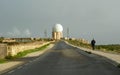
[22, 39]
[8, 40]
[17, 40]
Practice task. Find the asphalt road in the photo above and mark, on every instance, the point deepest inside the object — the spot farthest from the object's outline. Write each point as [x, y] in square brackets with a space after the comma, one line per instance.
[63, 59]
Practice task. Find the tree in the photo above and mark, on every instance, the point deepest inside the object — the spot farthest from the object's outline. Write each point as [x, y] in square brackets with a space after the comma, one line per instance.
[1, 39]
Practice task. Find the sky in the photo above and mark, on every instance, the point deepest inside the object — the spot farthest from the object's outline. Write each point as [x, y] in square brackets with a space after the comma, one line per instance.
[88, 19]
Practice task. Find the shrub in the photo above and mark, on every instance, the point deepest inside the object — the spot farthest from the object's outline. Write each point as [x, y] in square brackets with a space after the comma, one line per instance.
[9, 57]
[118, 65]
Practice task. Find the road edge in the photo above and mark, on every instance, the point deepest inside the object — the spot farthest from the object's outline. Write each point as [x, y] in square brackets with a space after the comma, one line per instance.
[110, 60]
[9, 69]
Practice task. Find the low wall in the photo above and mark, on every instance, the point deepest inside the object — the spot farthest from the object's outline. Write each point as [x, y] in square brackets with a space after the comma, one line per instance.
[3, 50]
[14, 49]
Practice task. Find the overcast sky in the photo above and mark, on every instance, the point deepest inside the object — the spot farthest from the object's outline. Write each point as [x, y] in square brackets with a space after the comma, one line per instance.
[98, 19]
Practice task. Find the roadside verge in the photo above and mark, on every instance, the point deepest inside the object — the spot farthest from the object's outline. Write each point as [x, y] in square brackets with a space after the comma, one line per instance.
[112, 58]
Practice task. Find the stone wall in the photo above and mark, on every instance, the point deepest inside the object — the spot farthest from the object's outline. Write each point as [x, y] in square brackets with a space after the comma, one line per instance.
[3, 50]
[14, 49]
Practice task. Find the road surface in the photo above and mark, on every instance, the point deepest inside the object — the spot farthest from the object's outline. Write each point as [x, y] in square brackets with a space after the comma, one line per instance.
[63, 59]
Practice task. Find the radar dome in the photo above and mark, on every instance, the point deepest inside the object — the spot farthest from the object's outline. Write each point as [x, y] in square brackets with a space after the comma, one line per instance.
[58, 28]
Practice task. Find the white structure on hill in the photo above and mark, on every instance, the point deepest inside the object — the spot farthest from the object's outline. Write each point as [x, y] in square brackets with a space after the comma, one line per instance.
[57, 32]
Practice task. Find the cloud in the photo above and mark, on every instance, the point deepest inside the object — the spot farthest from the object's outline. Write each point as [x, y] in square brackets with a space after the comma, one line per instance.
[1, 34]
[27, 33]
[17, 33]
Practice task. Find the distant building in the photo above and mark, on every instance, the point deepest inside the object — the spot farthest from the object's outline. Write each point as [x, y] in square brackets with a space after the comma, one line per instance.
[57, 32]
[8, 40]
[83, 41]
[17, 40]
[22, 39]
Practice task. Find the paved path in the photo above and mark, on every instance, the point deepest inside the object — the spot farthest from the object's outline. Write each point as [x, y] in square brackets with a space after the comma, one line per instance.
[113, 58]
[64, 59]
[18, 62]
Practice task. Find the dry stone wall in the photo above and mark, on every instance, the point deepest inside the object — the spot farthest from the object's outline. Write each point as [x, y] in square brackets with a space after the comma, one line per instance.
[14, 49]
[3, 50]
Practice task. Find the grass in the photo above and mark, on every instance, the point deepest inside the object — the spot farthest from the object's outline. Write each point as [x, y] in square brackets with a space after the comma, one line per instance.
[3, 61]
[109, 48]
[22, 54]
[115, 48]
[78, 43]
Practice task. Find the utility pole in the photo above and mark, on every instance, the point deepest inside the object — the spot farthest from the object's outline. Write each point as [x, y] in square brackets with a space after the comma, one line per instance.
[45, 33]
[67, 32]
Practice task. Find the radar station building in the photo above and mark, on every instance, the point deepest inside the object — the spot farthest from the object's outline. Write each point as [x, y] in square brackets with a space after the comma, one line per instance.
[57, 32]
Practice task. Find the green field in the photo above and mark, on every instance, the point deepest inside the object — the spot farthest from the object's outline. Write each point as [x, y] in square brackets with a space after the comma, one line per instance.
[113, 48]
[110, 48]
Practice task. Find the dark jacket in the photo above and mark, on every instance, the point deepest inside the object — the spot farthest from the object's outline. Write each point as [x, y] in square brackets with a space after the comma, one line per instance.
[93, 42]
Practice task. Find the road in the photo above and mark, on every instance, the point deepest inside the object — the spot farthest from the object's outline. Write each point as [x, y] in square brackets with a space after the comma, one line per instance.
[63, 59]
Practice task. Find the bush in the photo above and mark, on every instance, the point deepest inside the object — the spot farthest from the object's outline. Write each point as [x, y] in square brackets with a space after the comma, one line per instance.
[9, 57]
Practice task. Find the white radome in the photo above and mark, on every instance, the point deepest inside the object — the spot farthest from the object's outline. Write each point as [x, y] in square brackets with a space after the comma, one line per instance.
[58, 28]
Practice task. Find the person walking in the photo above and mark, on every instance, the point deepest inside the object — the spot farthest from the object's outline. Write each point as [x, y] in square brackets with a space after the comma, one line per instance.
[93, 44]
